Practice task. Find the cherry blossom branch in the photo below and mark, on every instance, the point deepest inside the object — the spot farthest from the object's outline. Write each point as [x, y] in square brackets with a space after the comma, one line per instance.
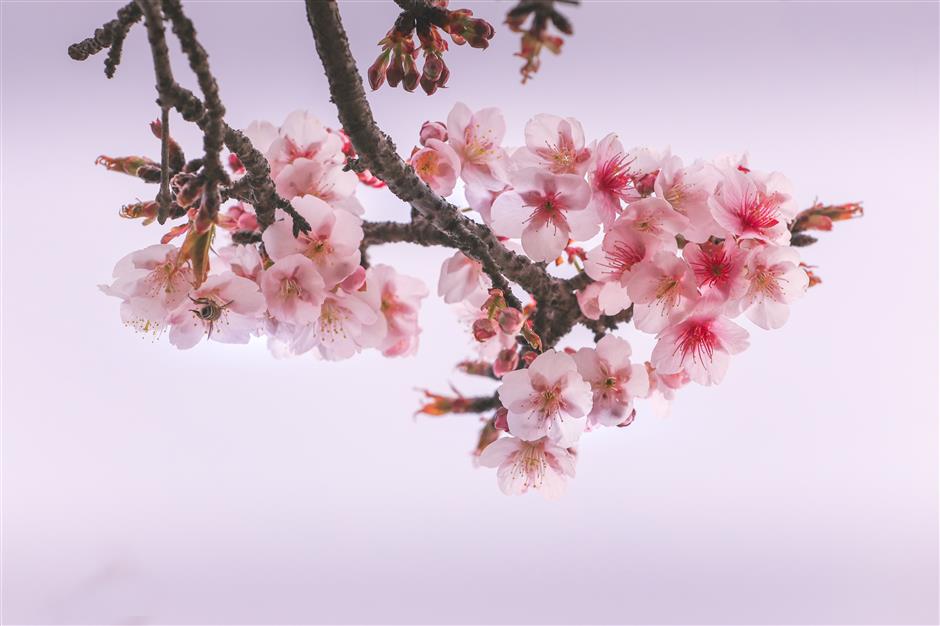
[379, 154]
[557, 311]
[261, 193]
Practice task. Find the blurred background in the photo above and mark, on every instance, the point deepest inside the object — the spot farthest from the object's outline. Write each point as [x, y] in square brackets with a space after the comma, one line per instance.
[144, 485]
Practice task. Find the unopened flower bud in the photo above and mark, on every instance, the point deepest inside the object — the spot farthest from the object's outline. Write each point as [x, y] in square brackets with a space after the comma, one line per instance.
[411, 76]
[531, 336]
[485, 329]
[501, 419]
[561, 23]
[506, 361]
[464, 28]
[377, 70]
[510, 320]
[395, 71]
[644, 183]
[235, 164]
[432, 130]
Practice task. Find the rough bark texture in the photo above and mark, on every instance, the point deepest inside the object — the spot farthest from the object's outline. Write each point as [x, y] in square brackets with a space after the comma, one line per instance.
[558, 309]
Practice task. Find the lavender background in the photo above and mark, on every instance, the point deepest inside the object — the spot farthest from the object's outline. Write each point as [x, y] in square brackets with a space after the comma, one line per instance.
[146, 485]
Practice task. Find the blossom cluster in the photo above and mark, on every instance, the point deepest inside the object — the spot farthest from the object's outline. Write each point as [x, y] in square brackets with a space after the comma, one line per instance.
[687, 247]
[304, 293]
[685, 250]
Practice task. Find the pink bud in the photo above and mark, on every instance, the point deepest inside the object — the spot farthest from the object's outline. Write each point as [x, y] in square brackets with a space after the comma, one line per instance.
[510, 320]
[484, 329]
[507, 361]
[411, 76]
[644, 184]
[235, 164]
[433, 130]
[501, 419]
[377, 71]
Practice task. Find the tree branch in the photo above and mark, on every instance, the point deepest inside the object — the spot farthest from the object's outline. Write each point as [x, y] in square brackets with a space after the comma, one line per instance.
[378, 153]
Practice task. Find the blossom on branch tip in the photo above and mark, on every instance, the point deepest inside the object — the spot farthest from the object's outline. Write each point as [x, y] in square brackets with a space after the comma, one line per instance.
[548, 398]
[522, 465]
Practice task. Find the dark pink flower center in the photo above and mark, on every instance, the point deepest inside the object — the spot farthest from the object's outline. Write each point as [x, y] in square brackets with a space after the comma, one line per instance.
[758, 212]
[697, 341]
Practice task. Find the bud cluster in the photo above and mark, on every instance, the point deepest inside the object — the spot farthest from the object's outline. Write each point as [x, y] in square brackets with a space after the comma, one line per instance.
[535, 36]
[397, 61]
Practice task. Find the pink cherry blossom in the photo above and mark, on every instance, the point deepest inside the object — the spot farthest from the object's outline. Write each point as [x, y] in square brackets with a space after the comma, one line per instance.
[615, 381]
[774, 281]
[718, 267]
[347, 324]
[293, 290]
[663, 388]
[432, 130]
[460, 277]
[476, 138]
[242, 260]
[555, 144]
[332, 243]
[603, 298]
[611, 182]
[622, 248]
[701, 345]
[542, 208]
[481, 200]
[662, 289]
[687, 190]
[324, 180]
[523, 465]
[747, 209]
[399, 299]
[437, 165]
[226, 308]
[645, 164]
[151, 283]
[655, 217]
[548, 398]
[239, 217]
[300, 136]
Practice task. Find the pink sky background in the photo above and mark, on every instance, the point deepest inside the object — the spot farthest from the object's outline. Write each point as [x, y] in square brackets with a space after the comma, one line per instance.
[141, 484]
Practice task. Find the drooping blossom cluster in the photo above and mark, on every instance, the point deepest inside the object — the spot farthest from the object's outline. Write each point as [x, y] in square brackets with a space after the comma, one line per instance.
[397, 63]
[689, 248]
[305, 293]
[686, 250]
